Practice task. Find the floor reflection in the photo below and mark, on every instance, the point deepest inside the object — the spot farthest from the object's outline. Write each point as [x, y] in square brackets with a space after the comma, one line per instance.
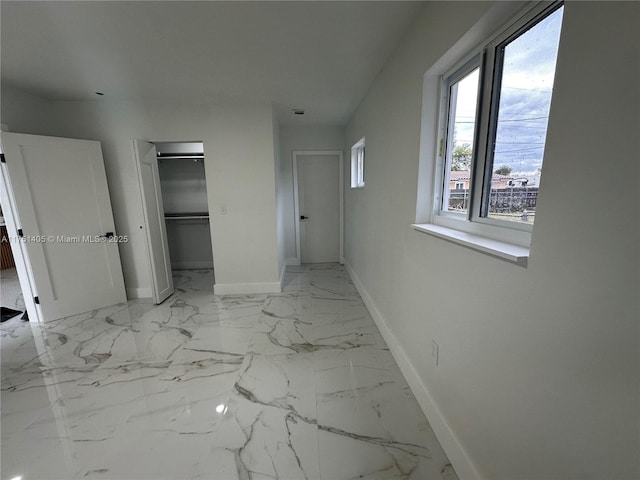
[293, 385]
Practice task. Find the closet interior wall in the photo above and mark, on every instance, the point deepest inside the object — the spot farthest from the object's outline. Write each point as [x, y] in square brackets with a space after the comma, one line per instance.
[184, 195]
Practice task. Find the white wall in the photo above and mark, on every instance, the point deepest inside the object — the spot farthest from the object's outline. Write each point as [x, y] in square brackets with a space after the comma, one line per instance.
[189, 244]
[539, 369]
[240, 153]
[239, 162]
[302, 138]
[22, 112]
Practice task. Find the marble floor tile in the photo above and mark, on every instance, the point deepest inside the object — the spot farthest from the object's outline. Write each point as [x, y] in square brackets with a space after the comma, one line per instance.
[296, 385]
[10, 292]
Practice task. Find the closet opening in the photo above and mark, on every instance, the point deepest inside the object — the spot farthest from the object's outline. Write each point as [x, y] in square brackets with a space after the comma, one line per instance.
[173, 188]
[186, 209]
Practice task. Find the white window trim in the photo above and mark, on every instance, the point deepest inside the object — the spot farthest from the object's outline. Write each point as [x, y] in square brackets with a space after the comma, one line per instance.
[357, 166]
[477, 233]
[507, 251]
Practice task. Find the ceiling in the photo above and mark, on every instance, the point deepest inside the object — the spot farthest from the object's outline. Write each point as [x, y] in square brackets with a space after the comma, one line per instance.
[320, 56]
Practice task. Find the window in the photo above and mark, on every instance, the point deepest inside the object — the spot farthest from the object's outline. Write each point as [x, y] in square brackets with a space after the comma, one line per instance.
[357, 164]
[493, 123]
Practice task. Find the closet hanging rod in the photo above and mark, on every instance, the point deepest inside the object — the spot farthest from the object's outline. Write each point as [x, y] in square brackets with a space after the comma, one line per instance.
[180, 157]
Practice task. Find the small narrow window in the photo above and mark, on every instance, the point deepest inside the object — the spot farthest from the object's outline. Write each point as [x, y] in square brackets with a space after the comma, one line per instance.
[357, 164]
[462, 89]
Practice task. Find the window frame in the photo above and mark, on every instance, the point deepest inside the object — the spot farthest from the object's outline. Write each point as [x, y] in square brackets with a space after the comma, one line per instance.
[484, 57]
[357, 163]
[445, 133]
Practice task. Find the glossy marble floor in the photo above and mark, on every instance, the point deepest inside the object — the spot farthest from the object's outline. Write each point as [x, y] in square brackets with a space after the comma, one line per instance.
[298, 385]
[10, 293]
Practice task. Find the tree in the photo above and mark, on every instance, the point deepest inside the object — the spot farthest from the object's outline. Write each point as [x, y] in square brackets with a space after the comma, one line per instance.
[503, 170]
[461, 157]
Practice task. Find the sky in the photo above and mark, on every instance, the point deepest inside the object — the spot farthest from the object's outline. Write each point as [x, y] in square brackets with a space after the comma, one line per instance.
[525, 96]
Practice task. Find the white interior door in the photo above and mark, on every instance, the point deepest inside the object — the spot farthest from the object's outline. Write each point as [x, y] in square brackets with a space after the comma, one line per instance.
[319, 207]
[156, 229]
[60, 205]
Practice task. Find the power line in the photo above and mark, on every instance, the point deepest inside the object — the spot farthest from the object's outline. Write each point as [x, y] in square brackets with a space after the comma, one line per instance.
[523, 119]
[531, 149]
[532, 119]
[529, 89]
[519, 143]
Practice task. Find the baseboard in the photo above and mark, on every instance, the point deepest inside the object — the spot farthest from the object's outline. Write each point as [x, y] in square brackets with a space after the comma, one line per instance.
[456, 453]
[191, 265]
[133, 293]
[246, 288]
[293, 261]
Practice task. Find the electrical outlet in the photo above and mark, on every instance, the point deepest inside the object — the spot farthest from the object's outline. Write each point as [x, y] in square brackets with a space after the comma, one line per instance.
[435, 351]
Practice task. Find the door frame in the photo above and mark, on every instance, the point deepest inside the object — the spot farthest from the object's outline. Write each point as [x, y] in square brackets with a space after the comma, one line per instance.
[296, 204]
[18, 249]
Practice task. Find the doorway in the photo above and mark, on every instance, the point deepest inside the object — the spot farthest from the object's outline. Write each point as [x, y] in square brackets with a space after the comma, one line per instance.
[11, 297]
[176, 208]
[58, 215]
[319, 206]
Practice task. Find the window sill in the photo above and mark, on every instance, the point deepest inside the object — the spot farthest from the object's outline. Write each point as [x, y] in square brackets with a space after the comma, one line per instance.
[506, 251]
